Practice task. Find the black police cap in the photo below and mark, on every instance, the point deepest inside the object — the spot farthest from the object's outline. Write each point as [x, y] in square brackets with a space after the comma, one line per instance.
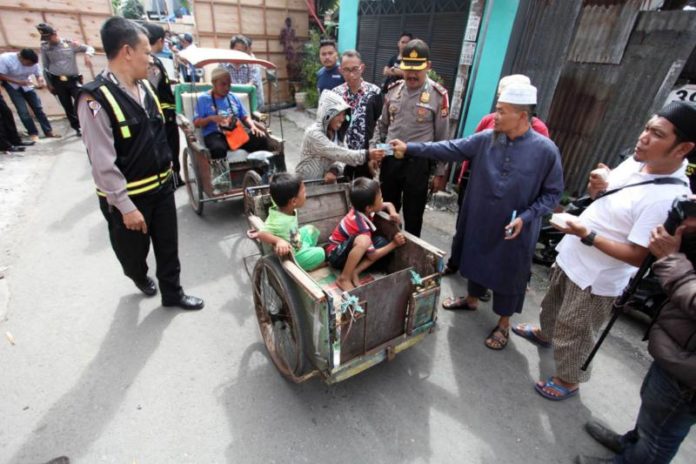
[45, 29]
[415, 56]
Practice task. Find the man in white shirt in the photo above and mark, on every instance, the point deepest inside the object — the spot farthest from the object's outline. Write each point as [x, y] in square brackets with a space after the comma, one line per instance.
[609, 240]
[15, 70]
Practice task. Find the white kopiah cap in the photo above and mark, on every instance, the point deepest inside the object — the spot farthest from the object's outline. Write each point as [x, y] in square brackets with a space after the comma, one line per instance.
[512, 79]
[519, 94]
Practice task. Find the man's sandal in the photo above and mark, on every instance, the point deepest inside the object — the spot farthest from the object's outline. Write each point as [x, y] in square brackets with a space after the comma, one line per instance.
[563, 392]
[498, 338]
[527, 331]
[457, 303]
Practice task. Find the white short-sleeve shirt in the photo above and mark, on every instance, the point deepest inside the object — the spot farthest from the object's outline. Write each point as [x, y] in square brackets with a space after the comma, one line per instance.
[627, 216]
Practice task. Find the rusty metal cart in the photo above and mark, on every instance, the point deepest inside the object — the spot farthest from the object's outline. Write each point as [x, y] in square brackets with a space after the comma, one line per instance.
[312, 328]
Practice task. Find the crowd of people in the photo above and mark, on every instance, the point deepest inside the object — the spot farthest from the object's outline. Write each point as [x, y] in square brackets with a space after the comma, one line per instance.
[392, 144]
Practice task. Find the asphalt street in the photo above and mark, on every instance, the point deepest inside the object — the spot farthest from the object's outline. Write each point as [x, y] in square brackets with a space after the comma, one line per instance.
[93, 370]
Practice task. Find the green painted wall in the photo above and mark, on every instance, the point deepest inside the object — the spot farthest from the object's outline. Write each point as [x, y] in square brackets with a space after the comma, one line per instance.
[347, 25]
[493, 42]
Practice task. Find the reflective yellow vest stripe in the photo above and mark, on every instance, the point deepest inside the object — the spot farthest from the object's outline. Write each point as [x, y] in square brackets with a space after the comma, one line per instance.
[147, 184]
[125, 130]
[151, 89]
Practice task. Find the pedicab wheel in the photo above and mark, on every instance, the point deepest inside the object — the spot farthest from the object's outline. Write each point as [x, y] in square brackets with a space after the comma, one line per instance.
[251, 179]
[277, 311]
[193, 184]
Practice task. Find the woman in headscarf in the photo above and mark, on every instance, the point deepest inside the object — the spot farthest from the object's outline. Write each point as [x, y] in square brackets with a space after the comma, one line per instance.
[324, 152]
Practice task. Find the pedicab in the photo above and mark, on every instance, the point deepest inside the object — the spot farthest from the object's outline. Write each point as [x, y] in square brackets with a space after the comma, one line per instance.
[209, 180]
[311, 327]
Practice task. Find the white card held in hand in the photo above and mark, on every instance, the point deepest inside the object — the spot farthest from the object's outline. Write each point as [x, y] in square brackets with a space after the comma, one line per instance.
[561, 219]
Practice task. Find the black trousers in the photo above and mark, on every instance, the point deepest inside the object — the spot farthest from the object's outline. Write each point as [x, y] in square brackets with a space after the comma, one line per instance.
[8, 129]
[132, 247]
[173, 141]
[66, 91]
[217, 144]
[405, 182]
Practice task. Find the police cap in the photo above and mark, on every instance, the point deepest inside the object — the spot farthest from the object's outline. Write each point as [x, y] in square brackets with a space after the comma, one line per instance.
[45, 30]
[415, 56]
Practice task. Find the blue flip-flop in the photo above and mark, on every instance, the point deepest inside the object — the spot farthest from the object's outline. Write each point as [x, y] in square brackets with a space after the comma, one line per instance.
[527, 331]
[565, 392]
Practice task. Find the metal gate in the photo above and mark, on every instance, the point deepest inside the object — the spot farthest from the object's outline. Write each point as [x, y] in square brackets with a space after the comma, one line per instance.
[440, 23]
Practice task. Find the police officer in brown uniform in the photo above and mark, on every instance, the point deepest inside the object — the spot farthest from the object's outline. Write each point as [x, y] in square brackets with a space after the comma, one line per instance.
[58, 58]
[157, 75]
[131, 162]
[416, 109]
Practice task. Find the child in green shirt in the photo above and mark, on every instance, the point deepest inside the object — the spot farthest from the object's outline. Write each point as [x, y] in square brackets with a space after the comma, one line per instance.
[281, 229]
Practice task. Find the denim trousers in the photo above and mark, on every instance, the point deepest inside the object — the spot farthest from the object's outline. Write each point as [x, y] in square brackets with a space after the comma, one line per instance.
[667, 412]
[20, 98]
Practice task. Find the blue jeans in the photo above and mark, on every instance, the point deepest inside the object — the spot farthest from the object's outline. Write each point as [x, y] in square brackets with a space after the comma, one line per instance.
[667, 412]
[20, 98]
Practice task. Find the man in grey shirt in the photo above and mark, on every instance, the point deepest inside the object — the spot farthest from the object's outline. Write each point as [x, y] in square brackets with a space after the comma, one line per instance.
[58, 58]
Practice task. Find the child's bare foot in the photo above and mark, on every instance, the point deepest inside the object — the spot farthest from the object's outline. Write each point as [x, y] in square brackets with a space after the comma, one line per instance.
[344, 284]
[355, 279]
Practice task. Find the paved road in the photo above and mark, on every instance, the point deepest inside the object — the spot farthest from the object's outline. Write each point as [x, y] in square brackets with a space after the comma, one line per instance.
[102, 374]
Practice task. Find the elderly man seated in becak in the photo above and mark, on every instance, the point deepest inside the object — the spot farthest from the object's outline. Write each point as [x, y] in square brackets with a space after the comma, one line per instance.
[223, 120]
[324, 151]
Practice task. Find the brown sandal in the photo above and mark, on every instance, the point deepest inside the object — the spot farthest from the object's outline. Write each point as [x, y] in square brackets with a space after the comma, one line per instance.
[498, 338]
[457, 303]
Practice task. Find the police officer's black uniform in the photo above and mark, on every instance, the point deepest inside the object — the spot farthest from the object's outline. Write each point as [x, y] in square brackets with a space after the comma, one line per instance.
[144, 158]
[168, 104]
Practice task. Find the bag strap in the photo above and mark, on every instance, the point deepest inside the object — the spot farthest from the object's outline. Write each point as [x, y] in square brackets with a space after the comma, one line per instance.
[657, 181]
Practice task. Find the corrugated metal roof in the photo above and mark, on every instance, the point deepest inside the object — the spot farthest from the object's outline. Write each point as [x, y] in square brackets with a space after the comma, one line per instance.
[599, 109]
[603, 32]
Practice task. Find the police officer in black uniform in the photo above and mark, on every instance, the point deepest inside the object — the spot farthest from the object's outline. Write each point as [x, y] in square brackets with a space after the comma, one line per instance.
[157, 75]
[131, 162]
[58, 59]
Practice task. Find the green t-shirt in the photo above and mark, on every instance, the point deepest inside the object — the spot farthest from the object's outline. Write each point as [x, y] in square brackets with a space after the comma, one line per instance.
[284, 226]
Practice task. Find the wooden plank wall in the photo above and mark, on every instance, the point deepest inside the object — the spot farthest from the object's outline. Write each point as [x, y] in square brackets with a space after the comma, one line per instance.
[216, 22]
[74, 19]
[261, 20]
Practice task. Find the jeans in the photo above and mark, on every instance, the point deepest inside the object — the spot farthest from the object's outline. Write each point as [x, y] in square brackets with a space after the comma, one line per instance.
[667, 412]
[20, 98]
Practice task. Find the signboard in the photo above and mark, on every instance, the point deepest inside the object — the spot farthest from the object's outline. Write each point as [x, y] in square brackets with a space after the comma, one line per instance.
[685, 93]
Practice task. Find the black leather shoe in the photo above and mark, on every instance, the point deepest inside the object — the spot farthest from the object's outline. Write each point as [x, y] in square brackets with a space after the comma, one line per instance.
[605, 436]
[78, 132]
[187, 302]
[16, 148]
[593, 460]
[27, 144]
[148, 286]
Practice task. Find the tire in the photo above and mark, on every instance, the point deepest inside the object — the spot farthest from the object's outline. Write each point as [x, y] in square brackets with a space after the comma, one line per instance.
[193, 184]
[251, 179]
[277, 311]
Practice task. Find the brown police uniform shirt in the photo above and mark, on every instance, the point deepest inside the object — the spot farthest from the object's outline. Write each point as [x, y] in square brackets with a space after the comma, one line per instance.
[415, 116]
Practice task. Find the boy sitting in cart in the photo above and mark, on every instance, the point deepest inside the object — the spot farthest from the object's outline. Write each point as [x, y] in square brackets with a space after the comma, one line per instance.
[281, 228]
[352, 247]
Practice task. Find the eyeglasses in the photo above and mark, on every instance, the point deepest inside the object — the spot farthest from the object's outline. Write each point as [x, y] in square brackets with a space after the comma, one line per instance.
[353, 70]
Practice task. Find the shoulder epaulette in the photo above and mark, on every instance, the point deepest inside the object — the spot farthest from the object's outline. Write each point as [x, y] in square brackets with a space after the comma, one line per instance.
[394, 84]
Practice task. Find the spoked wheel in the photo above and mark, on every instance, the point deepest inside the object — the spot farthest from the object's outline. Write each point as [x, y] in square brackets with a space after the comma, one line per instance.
[277, 309]
[193, 184]
[251, 179]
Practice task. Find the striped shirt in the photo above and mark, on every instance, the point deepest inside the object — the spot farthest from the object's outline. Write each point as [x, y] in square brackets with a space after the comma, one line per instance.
[354, 223]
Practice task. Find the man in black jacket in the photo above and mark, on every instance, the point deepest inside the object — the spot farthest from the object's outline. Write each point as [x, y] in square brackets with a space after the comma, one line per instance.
[157, 75]
[668, 394]
[131, 161]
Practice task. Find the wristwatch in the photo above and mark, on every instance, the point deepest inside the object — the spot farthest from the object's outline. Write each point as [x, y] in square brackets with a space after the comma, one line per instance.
[589, 240]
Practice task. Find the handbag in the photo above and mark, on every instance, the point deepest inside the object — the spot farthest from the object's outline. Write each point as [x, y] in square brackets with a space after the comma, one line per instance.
[237, 136]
